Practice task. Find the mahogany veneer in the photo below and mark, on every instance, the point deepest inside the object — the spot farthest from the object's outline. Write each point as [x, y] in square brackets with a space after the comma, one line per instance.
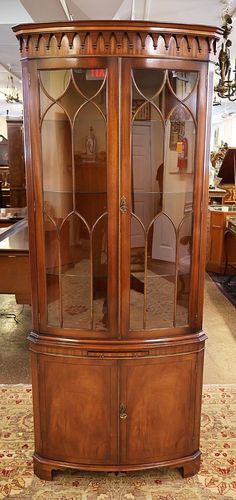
[117, 289]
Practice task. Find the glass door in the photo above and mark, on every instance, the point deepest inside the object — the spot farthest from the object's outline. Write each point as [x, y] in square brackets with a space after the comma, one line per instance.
[79, 173]
[157, 188]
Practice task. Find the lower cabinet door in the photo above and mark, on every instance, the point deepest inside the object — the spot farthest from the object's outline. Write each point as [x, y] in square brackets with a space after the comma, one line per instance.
[78, 409]
[159, 408]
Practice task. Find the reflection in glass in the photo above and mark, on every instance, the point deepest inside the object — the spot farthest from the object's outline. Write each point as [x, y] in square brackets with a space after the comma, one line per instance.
[71, 100]
[180, 137]
[45, 102]
[55, 82]
[148, 82]
[76, 273]
[57, 163]
[100, 258]
[137, 266]
[75, 196]
[90, 134]
[167, 101]
[89, 81]
[147, 166]
[163, 144]
[160, 273]
[182, 82]
[52, 271]
[184, 269]
[90, 163]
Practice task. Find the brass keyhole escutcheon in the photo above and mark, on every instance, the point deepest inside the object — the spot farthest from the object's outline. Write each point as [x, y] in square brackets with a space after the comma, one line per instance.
[123, 205]
[123, 412]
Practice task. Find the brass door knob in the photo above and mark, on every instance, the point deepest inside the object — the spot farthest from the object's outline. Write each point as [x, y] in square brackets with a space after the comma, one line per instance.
[123, 412]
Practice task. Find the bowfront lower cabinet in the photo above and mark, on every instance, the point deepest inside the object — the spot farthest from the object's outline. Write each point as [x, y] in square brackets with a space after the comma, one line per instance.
[116, 128]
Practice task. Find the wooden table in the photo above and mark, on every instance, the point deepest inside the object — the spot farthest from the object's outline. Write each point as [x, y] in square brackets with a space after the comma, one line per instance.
[5, 196]
[216, 196]
[14, 261]
[217, 225]
[9, 216]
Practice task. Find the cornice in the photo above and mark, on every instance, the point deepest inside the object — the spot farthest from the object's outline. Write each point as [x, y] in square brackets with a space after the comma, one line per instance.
[121, 38]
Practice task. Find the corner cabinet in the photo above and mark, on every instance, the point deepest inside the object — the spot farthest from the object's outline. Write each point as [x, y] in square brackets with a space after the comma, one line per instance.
[116, 123]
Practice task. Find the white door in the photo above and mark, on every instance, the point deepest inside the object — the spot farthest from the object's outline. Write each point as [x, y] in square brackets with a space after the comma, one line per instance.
[164, 239]
[141, 182]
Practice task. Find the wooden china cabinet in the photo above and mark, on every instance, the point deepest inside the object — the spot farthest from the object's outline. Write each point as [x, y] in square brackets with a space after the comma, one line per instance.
[16, 162]
[116, 127]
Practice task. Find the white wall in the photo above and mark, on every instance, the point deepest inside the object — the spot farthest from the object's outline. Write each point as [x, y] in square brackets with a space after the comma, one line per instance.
[3, 126]
[224, 131]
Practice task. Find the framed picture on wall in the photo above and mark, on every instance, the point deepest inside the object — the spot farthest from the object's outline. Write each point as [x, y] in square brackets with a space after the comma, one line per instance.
[177, 129]
[3, 150]
[180, 152]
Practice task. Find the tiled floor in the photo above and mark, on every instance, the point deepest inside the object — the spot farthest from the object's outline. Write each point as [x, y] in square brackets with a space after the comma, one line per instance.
[219, 325]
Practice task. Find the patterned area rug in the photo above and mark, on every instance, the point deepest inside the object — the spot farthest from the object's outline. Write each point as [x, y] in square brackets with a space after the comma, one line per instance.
[226, 284]
[76, 302]
[216, 480]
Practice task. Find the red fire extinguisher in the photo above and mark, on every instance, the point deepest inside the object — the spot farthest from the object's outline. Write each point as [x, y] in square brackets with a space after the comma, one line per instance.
[182, 150]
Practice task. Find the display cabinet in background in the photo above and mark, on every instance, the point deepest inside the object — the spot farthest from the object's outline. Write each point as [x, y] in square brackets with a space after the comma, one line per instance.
[4, 173]
[16, 162]
[221, 247]
[227, 173]
[117, 130]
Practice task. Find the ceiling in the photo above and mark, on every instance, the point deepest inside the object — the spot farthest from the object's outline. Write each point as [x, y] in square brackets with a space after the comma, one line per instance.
[21, 11]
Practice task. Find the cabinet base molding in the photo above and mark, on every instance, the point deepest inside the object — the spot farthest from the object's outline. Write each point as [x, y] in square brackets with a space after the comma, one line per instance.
[44, 467]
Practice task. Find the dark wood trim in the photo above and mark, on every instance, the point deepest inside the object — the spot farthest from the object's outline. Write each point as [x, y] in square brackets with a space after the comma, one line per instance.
[44, 467]
[205, 191]
[36, 402]
[37, 183]
[120, 25]
[28, 153]
[112, 194]
[117, 38]
[179, 343]
[125, 191]
[197, 202]
[200, 202]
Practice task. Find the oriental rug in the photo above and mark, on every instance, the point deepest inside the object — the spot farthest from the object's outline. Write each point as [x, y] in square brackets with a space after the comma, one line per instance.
[216, 480]
[226, 284]
[76, 295]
